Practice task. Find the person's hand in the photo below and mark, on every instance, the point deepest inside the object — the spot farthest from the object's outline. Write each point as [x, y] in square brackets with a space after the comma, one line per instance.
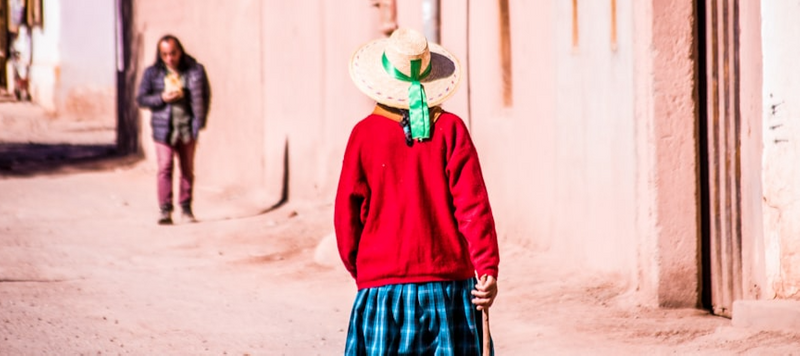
[484, 293]
[170, 96]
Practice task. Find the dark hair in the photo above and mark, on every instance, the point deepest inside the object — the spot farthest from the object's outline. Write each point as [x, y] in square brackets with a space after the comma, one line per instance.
[183, 63]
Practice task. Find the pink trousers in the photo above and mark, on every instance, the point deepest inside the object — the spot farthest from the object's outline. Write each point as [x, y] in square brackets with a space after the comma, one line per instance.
[165, 155]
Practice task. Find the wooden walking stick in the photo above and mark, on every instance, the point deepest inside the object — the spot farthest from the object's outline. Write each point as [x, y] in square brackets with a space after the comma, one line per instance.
[487, 338]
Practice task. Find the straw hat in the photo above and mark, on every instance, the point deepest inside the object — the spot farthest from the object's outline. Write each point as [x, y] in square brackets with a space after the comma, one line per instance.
[369, 71]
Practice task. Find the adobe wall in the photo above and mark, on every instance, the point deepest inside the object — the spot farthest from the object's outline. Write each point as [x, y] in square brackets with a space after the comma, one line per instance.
[309, 99]
[674, 125]
[595, 158]
[592, 158]
[224, 37]
[87, 73]
[752, 142]
[560, 161]
[781, 149]
[72, 71]
[280, 88]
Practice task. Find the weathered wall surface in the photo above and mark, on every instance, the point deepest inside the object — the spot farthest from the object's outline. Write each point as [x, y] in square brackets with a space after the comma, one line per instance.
[595, 154]
[781, 128]
[560, 159]
[587, 150]
[224, 37]
[87, 74]
[310, 103]
[595, 130]
[44, 70]
[73, 65]
[516, 140]
[280, 90]
[675, 167]
[752, 143]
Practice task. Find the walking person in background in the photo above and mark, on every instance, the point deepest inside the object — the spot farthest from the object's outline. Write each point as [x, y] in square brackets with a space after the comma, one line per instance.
[176, 90]
[412, 215]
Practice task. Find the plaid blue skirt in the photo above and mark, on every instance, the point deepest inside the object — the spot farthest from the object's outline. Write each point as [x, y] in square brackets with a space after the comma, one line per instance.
[436, 318]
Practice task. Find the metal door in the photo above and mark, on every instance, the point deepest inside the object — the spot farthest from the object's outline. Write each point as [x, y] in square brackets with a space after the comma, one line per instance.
[721, 126]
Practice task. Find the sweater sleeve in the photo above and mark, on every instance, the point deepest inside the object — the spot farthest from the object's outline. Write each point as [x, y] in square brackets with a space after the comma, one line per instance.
[471, 203]
[350, 205]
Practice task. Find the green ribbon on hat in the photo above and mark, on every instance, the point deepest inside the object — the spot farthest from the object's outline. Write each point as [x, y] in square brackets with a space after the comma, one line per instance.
[417, 101]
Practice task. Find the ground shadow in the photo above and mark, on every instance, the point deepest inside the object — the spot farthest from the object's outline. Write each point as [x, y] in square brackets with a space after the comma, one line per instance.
[28, 159]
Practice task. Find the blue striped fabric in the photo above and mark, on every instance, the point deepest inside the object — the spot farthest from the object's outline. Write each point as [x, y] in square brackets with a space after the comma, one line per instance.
[436, 318]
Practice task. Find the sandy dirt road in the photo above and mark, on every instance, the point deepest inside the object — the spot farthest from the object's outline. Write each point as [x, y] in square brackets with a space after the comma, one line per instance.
[84, 270]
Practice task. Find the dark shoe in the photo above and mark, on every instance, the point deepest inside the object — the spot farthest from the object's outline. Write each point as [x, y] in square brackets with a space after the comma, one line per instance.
[187, 215]
[165, 219]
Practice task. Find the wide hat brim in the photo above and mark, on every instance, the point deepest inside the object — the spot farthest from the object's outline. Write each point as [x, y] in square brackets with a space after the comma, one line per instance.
[369, 75]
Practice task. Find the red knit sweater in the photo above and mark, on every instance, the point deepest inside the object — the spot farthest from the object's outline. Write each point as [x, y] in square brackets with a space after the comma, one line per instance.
[413, 214]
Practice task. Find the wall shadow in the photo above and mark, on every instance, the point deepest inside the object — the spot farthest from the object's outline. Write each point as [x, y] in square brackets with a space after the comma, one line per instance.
[129, 50]
[284, 181]
[283, 199]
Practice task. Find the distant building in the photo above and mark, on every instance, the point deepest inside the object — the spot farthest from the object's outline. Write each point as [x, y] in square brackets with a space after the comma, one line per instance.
[71, 69]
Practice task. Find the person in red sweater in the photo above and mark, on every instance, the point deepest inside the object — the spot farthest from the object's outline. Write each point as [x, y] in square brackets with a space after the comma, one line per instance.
[412, 216]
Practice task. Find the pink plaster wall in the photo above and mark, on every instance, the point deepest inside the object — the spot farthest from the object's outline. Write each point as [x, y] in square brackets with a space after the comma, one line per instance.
[593, 161]
[279, 77]
[753, 267]
[561, 161]
[516, 144]
[230, 156]
[667, 221]
[564, 162]
[646, 272]
[781, 150]
[309, 97]
[453, 35]
[674, 126]
[595, 141]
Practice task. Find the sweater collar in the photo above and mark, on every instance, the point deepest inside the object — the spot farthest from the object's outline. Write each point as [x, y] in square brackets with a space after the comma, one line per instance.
[395, 114]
